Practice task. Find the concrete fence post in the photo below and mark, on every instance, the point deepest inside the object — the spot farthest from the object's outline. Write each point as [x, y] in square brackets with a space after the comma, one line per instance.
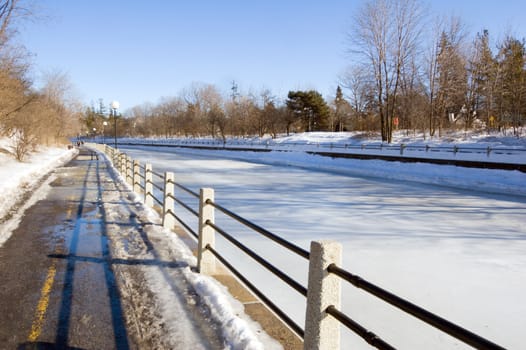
[129, 171]
[126, 171]
[148, 186]
[322, 331]
[206, 261]
[125, 167]
[136, 177]
[168, 202]
[118, 161]
[123, 164]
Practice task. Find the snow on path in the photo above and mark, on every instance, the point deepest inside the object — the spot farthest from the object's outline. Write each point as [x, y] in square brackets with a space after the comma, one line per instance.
[181, 298]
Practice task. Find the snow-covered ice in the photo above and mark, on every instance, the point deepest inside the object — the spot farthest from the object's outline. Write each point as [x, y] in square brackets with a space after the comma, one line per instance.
[450, 239]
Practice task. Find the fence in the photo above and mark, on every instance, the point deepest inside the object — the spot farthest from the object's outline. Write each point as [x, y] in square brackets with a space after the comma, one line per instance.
[401, 149]
[323, 295]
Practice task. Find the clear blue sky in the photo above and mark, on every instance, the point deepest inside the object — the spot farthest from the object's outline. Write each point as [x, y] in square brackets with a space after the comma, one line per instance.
[139, 51]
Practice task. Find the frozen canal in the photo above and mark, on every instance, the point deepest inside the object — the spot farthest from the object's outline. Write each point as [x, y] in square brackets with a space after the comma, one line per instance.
[458, 253]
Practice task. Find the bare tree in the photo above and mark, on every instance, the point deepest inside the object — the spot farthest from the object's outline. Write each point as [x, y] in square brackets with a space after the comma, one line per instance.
[59, 106]
[7, 11]
[386, 34]
[360, 87]
[11, 13]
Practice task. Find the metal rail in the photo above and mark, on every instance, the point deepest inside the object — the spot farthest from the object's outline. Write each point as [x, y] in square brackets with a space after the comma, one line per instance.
[158, 175]
[185, 225]
[282, 315]
[157, 186]
[416, 311]
[184, 205]
[290, 246]
[363, 146]
[277, 272]
[157, 200]
[195, 194]
[368, 336]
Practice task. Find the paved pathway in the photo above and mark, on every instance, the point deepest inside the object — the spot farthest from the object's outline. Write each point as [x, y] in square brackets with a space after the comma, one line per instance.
[65, 285]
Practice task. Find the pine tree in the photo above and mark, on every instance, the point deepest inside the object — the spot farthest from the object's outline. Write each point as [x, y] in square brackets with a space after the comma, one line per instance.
[342, 109]
[483, 78]
[452, 79]
[512, 83]
[310, 108]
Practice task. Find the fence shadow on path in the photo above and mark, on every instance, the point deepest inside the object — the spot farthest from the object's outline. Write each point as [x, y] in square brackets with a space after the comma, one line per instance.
[117, 316]
[91, 210]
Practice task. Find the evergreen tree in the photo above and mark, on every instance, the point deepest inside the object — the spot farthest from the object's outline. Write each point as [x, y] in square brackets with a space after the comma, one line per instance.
[102, 108]
[341, 111]
[452, 79]
[310, 108]
[483, 77]
[512, 83]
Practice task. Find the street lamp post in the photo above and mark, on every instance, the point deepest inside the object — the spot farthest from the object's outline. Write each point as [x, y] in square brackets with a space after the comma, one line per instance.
[114, 107]
[104, 124]
[94, 134]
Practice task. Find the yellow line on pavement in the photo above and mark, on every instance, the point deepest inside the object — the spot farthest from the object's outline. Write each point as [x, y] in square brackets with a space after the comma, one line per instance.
[43, 303]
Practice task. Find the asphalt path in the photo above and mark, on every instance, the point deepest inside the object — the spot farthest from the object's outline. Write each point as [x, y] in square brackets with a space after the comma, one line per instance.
[63, 287]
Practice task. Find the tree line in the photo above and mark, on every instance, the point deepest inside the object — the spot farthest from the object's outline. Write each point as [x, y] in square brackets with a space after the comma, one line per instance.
[407, 71]
[203, 111]
[29, 117]
[430, 77]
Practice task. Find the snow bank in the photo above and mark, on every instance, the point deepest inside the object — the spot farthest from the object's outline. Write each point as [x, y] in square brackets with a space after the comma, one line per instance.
[485, 180]
[17, 179]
